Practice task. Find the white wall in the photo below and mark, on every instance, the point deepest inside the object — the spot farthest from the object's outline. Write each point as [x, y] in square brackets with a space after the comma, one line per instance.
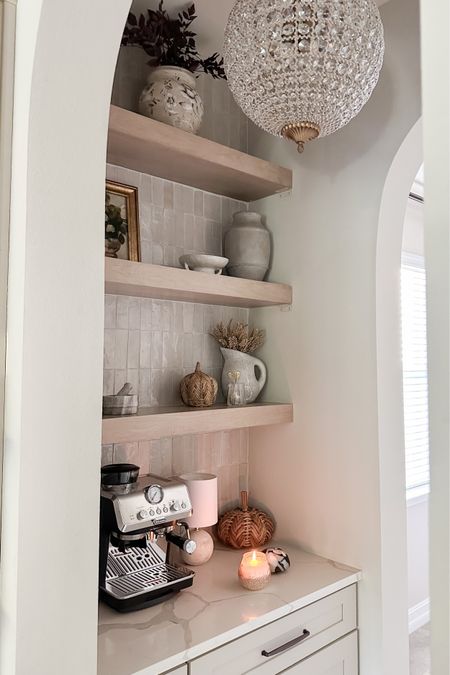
[323, 483]
[7, 39]
[435, 21]
[63, 78]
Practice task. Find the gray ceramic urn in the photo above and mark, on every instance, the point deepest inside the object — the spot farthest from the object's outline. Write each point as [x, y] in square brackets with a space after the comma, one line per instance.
[247, 245]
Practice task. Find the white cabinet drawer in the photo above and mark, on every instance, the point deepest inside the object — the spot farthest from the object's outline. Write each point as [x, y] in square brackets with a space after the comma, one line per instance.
[284, 642]
[340, 658]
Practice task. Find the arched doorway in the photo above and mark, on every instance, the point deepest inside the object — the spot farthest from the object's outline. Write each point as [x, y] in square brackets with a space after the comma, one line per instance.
[390, 411]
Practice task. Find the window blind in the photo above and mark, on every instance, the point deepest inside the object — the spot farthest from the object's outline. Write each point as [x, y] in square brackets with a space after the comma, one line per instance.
[415, 376]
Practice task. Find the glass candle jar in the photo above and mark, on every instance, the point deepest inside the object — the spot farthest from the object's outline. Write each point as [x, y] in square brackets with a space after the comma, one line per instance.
[254, 571]
[236, 395]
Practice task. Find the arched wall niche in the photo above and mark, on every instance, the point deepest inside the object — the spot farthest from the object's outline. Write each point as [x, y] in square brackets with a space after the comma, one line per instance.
[390, 398]
[66, 55]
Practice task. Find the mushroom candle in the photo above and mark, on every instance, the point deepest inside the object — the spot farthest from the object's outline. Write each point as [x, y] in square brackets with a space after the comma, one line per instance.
[254, 571]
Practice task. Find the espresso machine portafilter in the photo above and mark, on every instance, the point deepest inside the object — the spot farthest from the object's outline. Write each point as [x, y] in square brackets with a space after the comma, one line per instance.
[136, 511]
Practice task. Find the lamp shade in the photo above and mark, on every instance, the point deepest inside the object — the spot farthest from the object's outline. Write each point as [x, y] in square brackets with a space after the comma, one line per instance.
[202, 488]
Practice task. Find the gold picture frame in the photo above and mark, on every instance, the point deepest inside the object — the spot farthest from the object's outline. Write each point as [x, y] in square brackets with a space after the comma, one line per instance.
[121, 221]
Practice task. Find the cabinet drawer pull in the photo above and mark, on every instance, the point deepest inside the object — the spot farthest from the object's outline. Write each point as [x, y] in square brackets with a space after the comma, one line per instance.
[287, 645]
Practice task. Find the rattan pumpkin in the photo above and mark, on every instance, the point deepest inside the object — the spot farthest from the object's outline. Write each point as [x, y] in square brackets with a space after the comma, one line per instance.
[198, 389]
[245, 527]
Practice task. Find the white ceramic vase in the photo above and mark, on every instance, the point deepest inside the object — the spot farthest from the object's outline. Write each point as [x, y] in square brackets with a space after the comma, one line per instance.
[247, 245]
[253, 372]
[170, 96]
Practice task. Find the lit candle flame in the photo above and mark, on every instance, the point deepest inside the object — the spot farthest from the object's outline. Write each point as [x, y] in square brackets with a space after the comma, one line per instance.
[254, 560]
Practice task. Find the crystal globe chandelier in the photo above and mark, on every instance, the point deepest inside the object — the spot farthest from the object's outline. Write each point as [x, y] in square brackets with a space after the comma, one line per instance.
[303, 68]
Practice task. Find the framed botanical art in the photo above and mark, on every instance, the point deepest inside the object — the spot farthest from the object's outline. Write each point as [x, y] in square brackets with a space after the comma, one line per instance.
[121, 222]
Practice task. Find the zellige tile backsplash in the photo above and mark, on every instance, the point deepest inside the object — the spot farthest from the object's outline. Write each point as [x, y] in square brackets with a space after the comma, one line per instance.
[154, 343]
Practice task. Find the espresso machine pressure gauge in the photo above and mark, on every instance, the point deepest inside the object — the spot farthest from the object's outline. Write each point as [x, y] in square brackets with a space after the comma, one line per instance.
[154, 494]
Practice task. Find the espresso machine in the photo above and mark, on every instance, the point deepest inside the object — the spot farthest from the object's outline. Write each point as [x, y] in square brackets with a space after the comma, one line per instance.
[136, 511]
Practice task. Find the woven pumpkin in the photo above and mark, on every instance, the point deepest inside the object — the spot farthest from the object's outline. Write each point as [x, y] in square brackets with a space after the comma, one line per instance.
[198, 389]
[245, 527]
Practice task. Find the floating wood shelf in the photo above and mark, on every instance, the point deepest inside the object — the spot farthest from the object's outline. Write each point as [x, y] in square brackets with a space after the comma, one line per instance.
[123, 277]
[153, 423]
[142, 144]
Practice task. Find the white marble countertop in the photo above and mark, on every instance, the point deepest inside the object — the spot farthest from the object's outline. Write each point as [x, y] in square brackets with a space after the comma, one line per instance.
[215, 610]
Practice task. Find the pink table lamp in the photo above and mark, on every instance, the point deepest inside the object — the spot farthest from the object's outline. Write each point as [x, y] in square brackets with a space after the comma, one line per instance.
[202, 489]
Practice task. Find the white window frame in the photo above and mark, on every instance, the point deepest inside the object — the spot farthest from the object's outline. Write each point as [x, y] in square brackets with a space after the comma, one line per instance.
[419, 493]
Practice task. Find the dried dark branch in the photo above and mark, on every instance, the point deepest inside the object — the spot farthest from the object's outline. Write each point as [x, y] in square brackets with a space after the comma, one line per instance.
[170, 41]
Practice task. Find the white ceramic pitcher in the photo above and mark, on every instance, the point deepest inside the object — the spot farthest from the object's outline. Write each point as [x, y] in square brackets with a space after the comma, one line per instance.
[253, 372]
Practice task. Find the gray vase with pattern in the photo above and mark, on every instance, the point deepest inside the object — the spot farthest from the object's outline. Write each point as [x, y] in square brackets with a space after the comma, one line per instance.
[170, 96]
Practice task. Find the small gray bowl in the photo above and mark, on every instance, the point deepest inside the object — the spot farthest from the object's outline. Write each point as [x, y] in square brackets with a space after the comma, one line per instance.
[200, 262]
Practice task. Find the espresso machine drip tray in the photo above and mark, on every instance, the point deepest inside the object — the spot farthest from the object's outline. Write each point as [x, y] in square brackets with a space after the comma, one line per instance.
[139, 577]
